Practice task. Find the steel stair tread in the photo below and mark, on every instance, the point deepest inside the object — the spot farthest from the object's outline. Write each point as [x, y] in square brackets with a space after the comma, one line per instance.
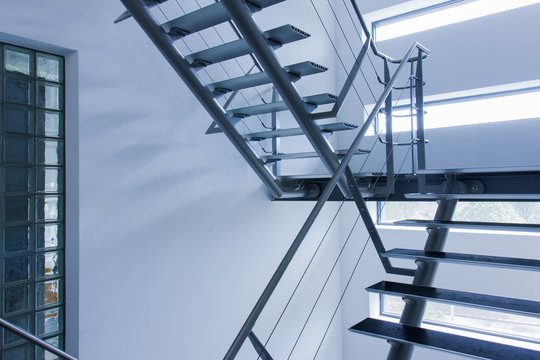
[469, 259]
[276, 38]
[311, 104]
[522, 307]
[469, 225]
[341, 126]
[296, 71]
[436, 196]
[126, 14]
[306, 155]
[461, 345]
[208, 16]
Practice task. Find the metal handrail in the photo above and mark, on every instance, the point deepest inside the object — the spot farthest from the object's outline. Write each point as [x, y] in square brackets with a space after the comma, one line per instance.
[425, 51]
[325, 195]
[32, 338]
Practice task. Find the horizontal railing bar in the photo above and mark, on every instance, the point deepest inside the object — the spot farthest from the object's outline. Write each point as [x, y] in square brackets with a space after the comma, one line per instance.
[32, 338]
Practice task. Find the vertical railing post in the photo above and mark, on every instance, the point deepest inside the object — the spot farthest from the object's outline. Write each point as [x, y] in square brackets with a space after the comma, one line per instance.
[420, 135]
[276, 166]
[389, 134]
[412, 84]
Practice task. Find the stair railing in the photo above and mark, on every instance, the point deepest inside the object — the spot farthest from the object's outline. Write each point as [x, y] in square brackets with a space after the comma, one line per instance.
[35, 340]
[274, 280]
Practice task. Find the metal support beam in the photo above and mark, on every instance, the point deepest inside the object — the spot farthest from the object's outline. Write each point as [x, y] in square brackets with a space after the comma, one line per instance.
[165, 45]
[371, 228]
[413, 312]
[420, 135]
[243, 20]
[259, 347]
[276, 166]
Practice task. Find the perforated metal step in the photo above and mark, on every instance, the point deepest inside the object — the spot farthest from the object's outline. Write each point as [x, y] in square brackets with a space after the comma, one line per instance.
[297, 131]
[276, 38]
[295, 71]
[208, 16]
[311, 104]
[126, 14]
[461, 345]
[306, 155]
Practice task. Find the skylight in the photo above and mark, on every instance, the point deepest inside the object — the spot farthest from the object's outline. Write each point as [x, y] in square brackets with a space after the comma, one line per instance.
[442, 16]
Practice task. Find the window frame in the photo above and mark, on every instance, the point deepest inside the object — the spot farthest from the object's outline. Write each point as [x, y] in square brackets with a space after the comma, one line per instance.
[420, 10]
[57, 337]
[450, 327]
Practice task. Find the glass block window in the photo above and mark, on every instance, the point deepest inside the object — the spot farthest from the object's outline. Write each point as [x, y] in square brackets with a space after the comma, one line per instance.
[32, 199]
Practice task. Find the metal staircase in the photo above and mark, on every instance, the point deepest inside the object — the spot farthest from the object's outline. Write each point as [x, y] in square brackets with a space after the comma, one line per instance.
[447, 187]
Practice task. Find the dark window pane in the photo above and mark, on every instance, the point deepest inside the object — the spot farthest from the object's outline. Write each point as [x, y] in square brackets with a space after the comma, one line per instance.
[48, 293]
[17, 179]
[16, 269]
[22, 321]
[16, 209]
[18, 60]
[49, 123]
[18, 119]
[49, 208]
[49, 264]
[17, 299]
[18, 90]
[49, 152]
[16, 238]
[23, 352]
[49, 321]
[18, 149]
[45, 355]
[50, 67]
[49, 96]
[49, 179]
[49, 236]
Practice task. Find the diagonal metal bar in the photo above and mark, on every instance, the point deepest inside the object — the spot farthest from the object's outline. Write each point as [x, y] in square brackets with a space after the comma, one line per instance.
[347, 86]
[241, 16]
[259, 347]
[283, 265]
[424, 52]
[371, 228]
[43, 344]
